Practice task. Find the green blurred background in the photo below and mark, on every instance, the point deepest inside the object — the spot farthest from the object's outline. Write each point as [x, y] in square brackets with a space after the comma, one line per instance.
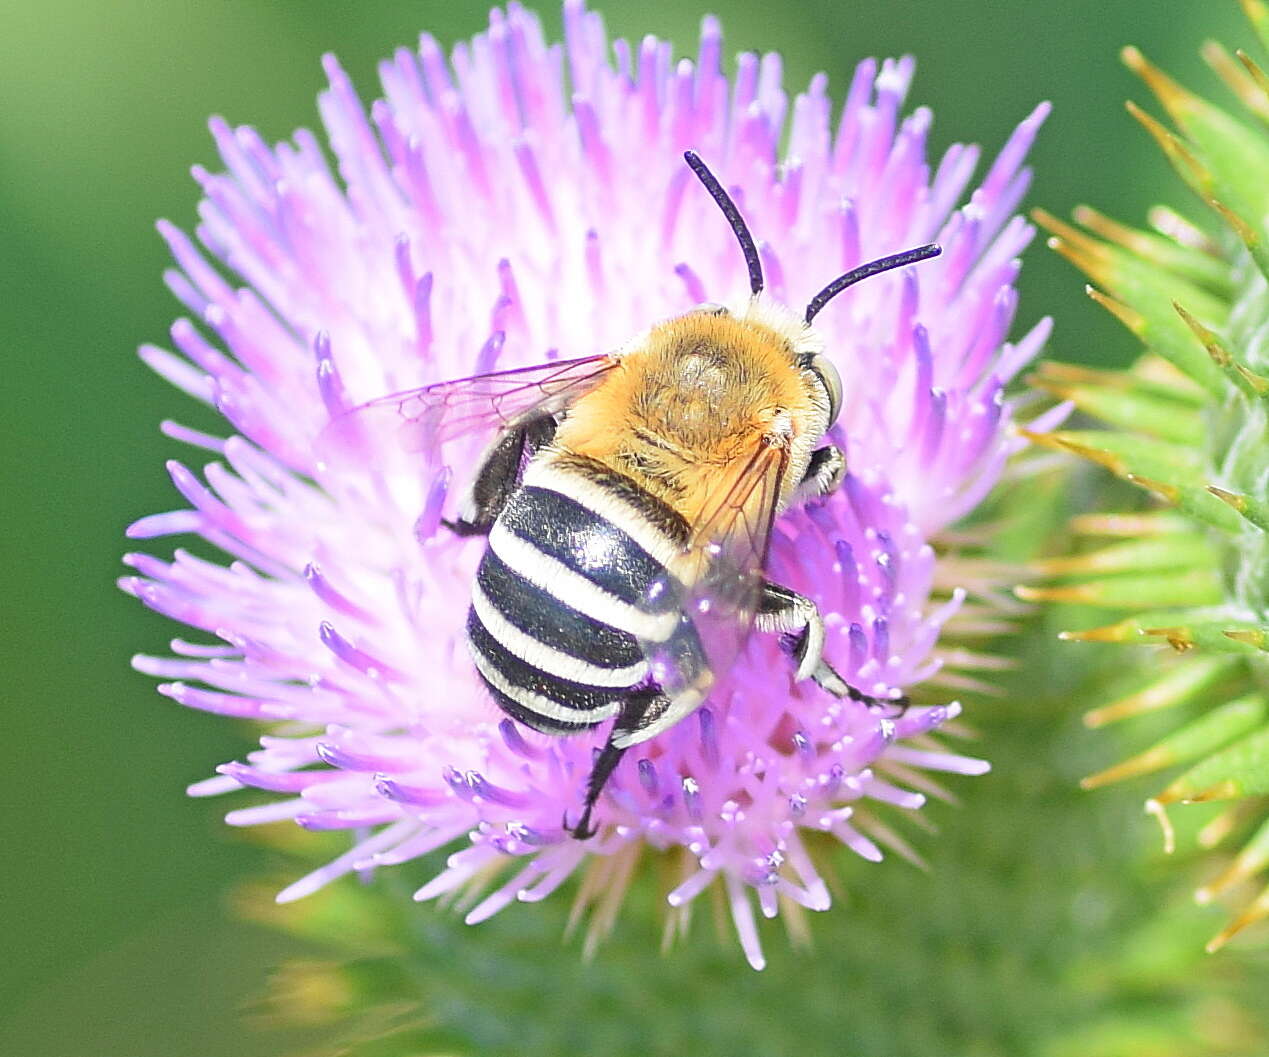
[114, 885]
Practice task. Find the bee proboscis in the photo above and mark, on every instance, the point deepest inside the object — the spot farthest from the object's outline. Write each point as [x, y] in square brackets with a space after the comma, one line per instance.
[628, 500]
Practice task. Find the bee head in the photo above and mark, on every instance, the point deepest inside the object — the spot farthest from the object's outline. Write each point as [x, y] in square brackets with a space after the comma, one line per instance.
[817, 363]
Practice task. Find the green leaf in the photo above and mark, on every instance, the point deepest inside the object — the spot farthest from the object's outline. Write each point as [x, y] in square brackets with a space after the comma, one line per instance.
[1179, 683]
[1142, 297]
[1240, 770]
[1197, 738]
[1173, 552]
[1167, 419]
[1190, 587]
[1235, 156]
[1182, 628]
[1196, 265]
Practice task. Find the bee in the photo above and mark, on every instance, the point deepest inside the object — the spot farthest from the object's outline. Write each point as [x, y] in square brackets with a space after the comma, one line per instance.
[627, 501]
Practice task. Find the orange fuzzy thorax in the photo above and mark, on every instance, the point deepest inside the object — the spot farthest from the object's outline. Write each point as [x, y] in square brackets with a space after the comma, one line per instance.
[685, 410]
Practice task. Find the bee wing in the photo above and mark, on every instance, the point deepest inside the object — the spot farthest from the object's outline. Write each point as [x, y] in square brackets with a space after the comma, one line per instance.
[421, 420]
[716, 587]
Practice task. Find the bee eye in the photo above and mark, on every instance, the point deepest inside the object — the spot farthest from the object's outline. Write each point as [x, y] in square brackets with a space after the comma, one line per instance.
[825, 370]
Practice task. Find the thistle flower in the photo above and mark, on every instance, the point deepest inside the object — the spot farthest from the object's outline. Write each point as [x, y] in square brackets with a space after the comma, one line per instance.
[1189, 427]
[485, 218]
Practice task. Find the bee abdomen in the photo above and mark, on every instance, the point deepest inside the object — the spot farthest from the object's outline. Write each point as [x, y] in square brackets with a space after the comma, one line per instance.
[557, 612]
[535, 697]
[576, 537]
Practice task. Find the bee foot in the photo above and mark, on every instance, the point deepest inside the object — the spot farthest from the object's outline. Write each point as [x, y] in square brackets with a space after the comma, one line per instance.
[583, 830]
[459, 527]
[890, 707]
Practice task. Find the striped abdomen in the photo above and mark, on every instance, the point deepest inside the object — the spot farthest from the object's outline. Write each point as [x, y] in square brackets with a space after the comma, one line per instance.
[556, 619]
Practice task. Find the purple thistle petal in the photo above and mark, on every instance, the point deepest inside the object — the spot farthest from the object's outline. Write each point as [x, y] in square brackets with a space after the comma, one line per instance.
[345, 863]
[479, 217]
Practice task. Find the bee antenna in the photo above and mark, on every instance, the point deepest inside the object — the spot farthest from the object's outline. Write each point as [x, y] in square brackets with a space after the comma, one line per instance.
[733, 216]
[865, 271]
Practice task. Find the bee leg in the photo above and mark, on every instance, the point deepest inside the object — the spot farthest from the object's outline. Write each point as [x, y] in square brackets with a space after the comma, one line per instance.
[801, 628]
[797, 619]
[824, 474]
[642, 708]
[605, 763]
[499, 474]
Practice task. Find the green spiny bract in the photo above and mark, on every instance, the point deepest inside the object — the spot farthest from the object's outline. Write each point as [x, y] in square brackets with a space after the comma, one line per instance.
[1188, 424]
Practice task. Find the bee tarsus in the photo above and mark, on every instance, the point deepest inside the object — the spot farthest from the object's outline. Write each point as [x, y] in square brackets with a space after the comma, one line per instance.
[583, 830]
[605, 763]
[890, 707]
[459, 527]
